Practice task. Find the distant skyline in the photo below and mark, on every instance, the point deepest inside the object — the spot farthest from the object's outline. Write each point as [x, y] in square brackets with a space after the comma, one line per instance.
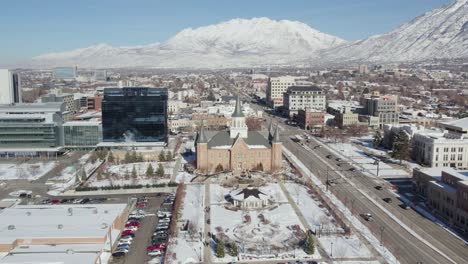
[32, 27]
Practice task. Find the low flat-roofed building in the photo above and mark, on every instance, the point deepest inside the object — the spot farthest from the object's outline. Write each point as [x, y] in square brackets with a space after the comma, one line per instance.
[83, 135]
[78, 232]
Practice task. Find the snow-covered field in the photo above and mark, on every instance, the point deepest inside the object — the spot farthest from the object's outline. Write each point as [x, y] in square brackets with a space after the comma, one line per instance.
[258, 232]
[27, 171]
[359, 157]
[118, 173]
[185, 247]
[312, 210]
[345, 247]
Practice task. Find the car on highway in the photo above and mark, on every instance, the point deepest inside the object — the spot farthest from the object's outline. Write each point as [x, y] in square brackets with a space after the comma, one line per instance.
[132, 223]
[329, 156]
[132, 228]
[367, 216]
[338, 159]
[387, 199]
[378, 187]
[352, 169]
[404, 206]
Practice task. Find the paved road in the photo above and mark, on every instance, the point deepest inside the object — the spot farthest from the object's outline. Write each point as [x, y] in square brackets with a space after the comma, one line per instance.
[207, 249]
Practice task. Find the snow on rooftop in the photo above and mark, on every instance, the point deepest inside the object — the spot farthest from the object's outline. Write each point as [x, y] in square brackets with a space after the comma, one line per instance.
[49, 258]
[41, 221]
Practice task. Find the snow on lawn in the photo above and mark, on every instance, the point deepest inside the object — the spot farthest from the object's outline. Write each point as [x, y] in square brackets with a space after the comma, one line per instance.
[345, 247]
[273, 191]
[311, 209]
[189, 249]
[27, 171]
[140, 168]
[183, 176]
[358, 156]
[265, 230]
[63, 181]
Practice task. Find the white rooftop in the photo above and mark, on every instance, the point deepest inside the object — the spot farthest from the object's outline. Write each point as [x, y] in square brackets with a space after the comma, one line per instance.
[42, 221]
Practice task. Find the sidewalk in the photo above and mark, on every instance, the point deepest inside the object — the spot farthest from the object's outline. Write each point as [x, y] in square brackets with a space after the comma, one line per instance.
[117, 192]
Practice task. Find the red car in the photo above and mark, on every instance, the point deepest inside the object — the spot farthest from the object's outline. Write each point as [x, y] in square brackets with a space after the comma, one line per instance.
[141, 205]
[129, 224]
[127, 232]
[156, 247]
[55, 201]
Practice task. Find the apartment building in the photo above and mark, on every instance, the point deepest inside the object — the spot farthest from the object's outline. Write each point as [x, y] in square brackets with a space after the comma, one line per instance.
[446, 191]
[301, 97]
[277, 86]
[385, 107]
[71, 104]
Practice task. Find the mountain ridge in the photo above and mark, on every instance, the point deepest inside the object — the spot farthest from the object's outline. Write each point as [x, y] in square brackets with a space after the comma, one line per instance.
[438, 34]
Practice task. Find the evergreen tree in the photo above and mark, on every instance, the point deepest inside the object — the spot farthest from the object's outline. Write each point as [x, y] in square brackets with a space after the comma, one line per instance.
[234, 249]
[162, 156]
[134, 172]
[127, 175]
[149, 170]
[140, 157]
[310, 245]
[260, 166]
[99, 175]
[377, 139]
[220, 249]
[127, 157]
[160, 170]
[169, 156]
[134, 157]
[401, 146]
[110, 158]
[219, 168]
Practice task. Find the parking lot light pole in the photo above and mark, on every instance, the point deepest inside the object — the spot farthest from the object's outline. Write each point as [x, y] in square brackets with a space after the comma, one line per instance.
[331, 249]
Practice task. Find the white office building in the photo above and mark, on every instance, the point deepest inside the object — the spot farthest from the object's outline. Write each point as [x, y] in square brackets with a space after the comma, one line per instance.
[10, 90]
[301, 97]
[277, 86]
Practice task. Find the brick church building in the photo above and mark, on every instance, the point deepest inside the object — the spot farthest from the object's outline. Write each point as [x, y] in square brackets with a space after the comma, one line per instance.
[238, 149]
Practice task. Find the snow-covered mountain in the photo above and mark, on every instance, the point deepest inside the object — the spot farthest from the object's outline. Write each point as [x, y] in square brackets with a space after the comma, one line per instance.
[439, 34]
[238, 42]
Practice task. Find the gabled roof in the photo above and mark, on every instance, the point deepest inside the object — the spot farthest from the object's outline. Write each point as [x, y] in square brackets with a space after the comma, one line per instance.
[223, 138]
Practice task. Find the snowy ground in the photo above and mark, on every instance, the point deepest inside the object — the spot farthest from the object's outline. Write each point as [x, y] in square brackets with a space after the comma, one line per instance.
[345, 247]
[360, 159]
[189, 248]
[118, 173]
[184, 177]
[266, 229]
[27, 171]
[312, 210]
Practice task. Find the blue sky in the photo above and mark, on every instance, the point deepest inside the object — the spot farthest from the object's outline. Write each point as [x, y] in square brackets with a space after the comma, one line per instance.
[33, 27]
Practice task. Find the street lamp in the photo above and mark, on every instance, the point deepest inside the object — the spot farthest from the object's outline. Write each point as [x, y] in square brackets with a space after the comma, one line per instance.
[382, 228]
[331, 249]
[376, 162]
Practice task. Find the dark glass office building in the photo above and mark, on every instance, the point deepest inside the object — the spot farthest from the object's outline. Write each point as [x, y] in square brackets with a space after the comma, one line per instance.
[134, 114]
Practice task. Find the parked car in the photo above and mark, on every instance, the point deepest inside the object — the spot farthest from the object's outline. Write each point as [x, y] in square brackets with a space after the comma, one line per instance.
[132, 228]
[128, 233]
[159, 228]
[125, 241]
[165, 220]
[132, 223]
[338, 159]
[352, 169]
[119, 253]
[123, 246]
[77, 201]
[141, 205]
[155, 253]
[127, 237]
[387, 200]
[329, 156]
[55, 201]
[85, 200]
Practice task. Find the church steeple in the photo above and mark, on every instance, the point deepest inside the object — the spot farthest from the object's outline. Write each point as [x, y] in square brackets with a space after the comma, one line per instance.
[238, 126]
[276, 136]
[238, 109]
[202, 136]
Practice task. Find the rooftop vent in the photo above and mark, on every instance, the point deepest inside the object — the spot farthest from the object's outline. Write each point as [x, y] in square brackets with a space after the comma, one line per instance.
[11, 227]
[60, 226]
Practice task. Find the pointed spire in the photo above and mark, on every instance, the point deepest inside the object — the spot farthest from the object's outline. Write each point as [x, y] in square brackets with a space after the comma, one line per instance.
[270, 128]
[276, 136]
[202, 136]
[238, 109]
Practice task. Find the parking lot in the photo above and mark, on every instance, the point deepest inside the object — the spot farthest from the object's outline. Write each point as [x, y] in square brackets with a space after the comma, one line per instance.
[137, 252]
